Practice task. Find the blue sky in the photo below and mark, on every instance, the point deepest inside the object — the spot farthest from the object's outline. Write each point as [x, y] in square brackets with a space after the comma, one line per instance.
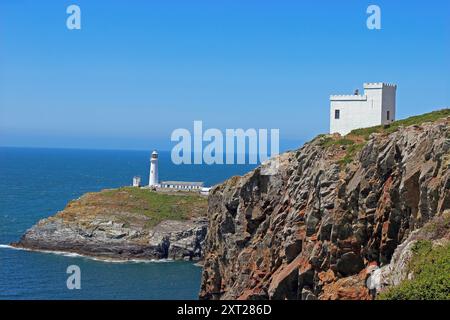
[137, 70]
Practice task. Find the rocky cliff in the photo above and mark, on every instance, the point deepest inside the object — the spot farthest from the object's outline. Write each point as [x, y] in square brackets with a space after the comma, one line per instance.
[330, 216]
[123, 224]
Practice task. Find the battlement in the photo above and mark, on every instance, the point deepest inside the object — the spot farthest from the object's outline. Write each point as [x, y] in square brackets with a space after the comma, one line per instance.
[378, 85]
[362, 97]
[348, 97]
[375, 106]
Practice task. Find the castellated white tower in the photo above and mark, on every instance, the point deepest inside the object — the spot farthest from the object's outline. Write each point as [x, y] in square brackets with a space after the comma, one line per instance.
[374, 107]
[153, 178]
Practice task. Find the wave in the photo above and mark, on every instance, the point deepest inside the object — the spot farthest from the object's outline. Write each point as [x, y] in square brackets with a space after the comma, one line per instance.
[77, 255]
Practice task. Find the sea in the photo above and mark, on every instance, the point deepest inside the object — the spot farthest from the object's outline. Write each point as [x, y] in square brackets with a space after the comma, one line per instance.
[36, 183]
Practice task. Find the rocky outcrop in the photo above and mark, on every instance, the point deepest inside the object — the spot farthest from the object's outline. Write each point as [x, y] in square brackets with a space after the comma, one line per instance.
[320, 225]
[112, 240]
[436, 231]
[110, 225]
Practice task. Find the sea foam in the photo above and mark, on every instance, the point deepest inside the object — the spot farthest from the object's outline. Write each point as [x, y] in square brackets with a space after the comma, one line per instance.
[77, 255]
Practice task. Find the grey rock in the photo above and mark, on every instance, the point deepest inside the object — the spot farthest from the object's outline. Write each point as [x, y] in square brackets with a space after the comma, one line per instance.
[350, 263]
[345, 218]
[109, 240]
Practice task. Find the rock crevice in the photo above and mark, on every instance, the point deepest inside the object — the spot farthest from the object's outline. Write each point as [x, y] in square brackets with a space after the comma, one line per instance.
[317, 227]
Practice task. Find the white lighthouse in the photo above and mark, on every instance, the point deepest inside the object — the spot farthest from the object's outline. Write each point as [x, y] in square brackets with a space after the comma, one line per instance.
[153, 179]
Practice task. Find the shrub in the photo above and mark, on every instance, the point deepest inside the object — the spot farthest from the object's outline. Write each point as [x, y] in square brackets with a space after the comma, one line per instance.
[431, 275]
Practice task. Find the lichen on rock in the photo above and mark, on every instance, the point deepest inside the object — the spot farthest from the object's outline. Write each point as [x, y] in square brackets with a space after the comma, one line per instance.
[319, 227]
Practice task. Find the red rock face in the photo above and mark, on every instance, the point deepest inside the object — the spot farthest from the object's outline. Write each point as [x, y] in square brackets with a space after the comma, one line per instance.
[312, 230]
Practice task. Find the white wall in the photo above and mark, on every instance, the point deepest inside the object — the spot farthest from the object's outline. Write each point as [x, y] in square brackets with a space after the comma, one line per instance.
[357, 112]
[136, 182]
[361, 111]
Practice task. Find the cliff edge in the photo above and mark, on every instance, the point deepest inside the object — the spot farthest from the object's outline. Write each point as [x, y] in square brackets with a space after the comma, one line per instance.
[331, 221]
[123, 224]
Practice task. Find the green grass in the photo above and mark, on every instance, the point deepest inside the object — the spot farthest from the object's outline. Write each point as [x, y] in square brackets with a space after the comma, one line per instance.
[329, 141]
[158, 206]
[351, 151]
[356, 139]
[431, 268]
[415, 120]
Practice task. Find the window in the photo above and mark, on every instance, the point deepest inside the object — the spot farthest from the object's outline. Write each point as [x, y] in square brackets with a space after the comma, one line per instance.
[388, 115]
[337, 114]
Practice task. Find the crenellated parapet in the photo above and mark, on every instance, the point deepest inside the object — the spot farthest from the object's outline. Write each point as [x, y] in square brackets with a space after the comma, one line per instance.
[378, 85]
[348, 97]
[352, 111]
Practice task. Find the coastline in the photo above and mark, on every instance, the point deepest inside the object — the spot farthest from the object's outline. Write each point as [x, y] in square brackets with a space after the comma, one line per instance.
[73, 254]
[124, 224]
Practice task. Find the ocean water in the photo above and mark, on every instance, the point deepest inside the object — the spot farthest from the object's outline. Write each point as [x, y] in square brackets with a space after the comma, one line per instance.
[36, 183]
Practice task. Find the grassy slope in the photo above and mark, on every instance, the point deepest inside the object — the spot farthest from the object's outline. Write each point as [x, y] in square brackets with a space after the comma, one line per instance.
[355, 140]
[415, 120]
[431, 268]
[157, 206]
[430, 265]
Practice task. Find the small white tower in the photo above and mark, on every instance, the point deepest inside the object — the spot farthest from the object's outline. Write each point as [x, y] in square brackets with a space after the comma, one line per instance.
[376, 106]
[136, 181]
[153, 179]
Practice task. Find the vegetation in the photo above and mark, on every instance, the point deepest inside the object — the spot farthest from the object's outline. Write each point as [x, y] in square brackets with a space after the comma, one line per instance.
[415, 120]
[161, 206]
[328, 141]
[134, 202]
[350, 154]
[431, 269]
[356, 139]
